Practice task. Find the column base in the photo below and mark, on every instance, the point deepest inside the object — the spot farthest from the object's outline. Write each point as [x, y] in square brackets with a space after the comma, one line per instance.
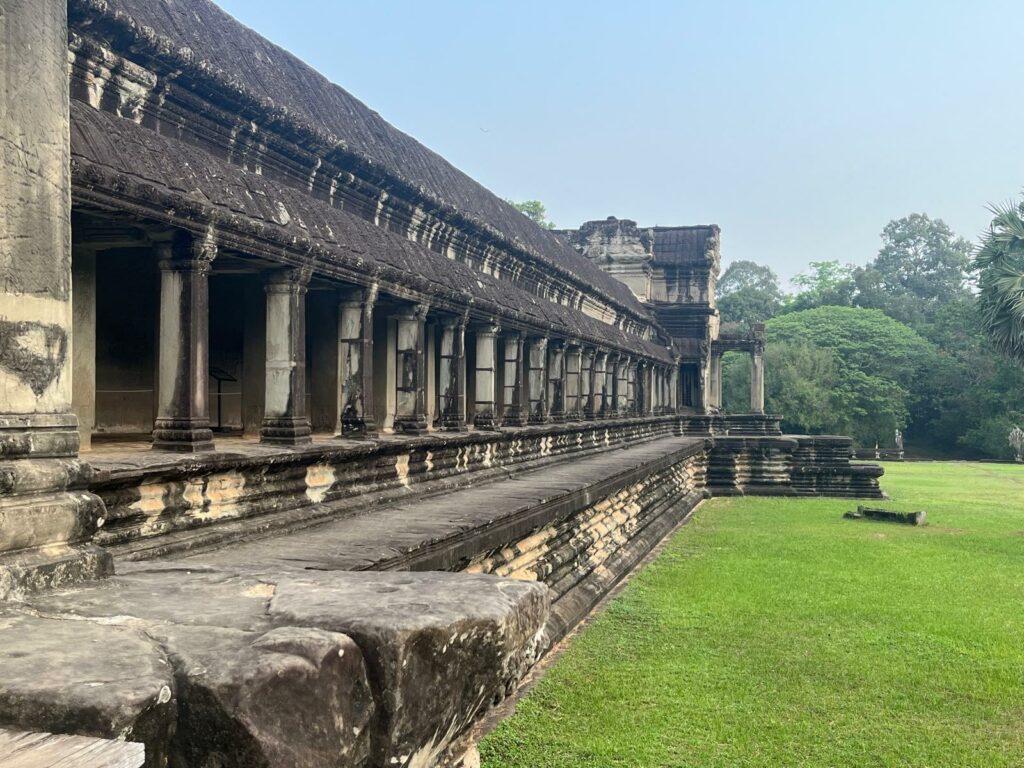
[485, 421]
[357, 427]
[182, 436]
[286, 432]
[45, 534]
[411, 425]
[513, 419]
[42, 435]
[538, 420]
[557, 418]
[454, 424]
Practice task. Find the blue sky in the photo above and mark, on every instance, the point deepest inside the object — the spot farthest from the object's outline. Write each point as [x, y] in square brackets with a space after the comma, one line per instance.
[801, 128]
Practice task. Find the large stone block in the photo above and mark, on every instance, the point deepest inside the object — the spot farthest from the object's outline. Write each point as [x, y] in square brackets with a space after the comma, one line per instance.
[87, 678]
[269, 664]
[289, 698]
[442, 647]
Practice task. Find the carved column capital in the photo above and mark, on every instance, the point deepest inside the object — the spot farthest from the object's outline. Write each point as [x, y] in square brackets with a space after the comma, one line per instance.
[186, 253]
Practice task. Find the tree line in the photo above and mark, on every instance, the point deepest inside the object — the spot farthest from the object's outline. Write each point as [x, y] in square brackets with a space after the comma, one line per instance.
[924, 339]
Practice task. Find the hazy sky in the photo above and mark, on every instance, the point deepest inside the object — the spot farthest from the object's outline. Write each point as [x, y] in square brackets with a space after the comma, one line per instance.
[800, 128]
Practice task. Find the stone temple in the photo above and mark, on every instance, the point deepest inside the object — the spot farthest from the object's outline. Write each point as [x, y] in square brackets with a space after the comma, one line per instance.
[313, 446]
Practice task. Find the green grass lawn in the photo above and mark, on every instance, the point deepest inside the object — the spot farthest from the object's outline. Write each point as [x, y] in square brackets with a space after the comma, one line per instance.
[771, 632]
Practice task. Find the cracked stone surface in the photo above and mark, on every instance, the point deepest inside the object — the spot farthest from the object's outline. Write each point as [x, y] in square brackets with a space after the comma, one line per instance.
[284, 668]
[87, 678]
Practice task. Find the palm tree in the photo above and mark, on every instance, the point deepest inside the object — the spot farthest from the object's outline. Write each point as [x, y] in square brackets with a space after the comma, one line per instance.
[1000, 262]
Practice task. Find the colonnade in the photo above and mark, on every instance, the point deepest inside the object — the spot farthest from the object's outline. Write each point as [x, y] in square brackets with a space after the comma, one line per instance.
[516, 378]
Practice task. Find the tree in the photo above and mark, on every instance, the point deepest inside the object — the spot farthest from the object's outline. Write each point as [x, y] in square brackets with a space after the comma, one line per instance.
[748, 293]
[1000, 263]
[844, 370]
[801, 384]
[826, 283]
[921, 266]
[862, 339]
[535, 210]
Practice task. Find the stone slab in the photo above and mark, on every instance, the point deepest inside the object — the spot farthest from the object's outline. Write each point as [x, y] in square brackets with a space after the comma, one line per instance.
[87, 678]
[277, 666]
[19, 749]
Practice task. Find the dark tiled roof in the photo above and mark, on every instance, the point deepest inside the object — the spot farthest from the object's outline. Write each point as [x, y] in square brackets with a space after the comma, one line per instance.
[684, 245]
[221, 48]
[132, 162]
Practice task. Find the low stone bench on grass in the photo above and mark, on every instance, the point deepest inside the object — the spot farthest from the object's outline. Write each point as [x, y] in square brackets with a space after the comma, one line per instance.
[888, 515]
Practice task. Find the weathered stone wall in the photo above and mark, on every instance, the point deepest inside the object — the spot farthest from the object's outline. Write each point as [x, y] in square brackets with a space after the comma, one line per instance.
[789, 465]
[158, 505]
[583, 555]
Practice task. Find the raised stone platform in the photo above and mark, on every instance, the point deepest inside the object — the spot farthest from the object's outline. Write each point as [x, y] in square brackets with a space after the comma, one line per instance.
[160, 504]
[258, 593]
[578, 526]
[222, 653]
[790, 465]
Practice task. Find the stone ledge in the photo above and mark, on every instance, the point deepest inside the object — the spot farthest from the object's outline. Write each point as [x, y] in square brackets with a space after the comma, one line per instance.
[277, 667]
[445, 532]
[188, 504]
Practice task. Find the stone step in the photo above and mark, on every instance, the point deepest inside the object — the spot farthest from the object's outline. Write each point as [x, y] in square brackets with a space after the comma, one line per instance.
[19, 749]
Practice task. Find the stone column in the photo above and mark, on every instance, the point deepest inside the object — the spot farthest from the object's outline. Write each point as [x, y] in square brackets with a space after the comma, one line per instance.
[514, 399]
[485, 416]
[355, 362]
[715, 395]
[609, 384]
[631, 388]
[673, 388]
[556, 380]
[83, 266]
[573, 376]
[536, 380]
[452, 374]
[621, 386]
[183, 411]
[656, 390]
[757, 380]
[46, 515]
[641, 388]
[600, 408]
[411, 371]
[587, 383]
[285, 421]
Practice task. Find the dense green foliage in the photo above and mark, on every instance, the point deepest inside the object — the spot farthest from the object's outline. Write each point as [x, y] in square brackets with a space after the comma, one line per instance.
[771, 632]
[826, 283]
[844, 370]
[956, 395]
[749, 293]
[920, 269]
[1000, 261]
